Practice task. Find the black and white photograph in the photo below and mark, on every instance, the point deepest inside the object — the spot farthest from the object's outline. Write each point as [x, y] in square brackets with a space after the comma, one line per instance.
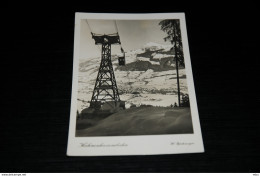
[131, 78]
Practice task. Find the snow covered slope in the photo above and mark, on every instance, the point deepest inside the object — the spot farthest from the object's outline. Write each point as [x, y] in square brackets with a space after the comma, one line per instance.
[148, 79]
[139, 121]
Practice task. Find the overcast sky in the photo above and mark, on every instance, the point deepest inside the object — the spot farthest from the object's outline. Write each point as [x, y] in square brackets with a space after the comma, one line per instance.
[134, 34]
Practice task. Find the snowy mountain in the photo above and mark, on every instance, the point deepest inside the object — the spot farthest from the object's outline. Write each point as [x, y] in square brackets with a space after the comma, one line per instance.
[149, 77]
[155, 46]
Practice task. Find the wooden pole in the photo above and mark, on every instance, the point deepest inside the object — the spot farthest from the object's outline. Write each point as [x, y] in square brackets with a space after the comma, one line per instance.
[177, 65]
[178, 83]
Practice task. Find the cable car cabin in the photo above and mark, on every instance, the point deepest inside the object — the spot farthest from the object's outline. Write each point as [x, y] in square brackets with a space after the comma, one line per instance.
[121, 60]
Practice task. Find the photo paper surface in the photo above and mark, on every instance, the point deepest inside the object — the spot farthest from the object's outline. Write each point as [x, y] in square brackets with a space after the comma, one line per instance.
[133, 90]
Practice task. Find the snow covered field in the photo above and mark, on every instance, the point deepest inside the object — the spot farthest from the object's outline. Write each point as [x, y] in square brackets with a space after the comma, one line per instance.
[136, 87]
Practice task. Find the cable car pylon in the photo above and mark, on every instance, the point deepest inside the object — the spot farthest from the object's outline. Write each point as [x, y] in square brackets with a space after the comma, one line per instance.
[105, 89]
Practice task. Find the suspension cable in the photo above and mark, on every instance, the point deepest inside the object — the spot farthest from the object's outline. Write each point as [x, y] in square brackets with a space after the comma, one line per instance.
[89, 26]
[92, 33]
[116, 27]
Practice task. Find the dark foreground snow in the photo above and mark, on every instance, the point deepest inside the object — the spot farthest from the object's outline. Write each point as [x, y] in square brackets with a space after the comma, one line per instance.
[138, 121]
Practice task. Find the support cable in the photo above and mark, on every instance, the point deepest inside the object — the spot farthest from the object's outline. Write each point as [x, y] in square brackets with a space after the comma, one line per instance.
[89, 26]
[92, 33]
[116, 27]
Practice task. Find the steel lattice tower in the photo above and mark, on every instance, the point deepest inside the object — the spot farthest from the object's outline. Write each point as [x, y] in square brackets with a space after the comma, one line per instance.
[105, 88]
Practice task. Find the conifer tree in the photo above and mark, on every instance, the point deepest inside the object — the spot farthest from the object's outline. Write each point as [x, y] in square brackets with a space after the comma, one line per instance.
[173, 30]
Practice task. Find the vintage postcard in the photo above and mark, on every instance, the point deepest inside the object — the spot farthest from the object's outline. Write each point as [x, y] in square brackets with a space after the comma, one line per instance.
[133, 90]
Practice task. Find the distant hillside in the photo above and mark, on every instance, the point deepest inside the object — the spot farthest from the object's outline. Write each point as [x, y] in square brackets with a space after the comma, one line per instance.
[148, 53]
[144, 66]
[155, 56]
